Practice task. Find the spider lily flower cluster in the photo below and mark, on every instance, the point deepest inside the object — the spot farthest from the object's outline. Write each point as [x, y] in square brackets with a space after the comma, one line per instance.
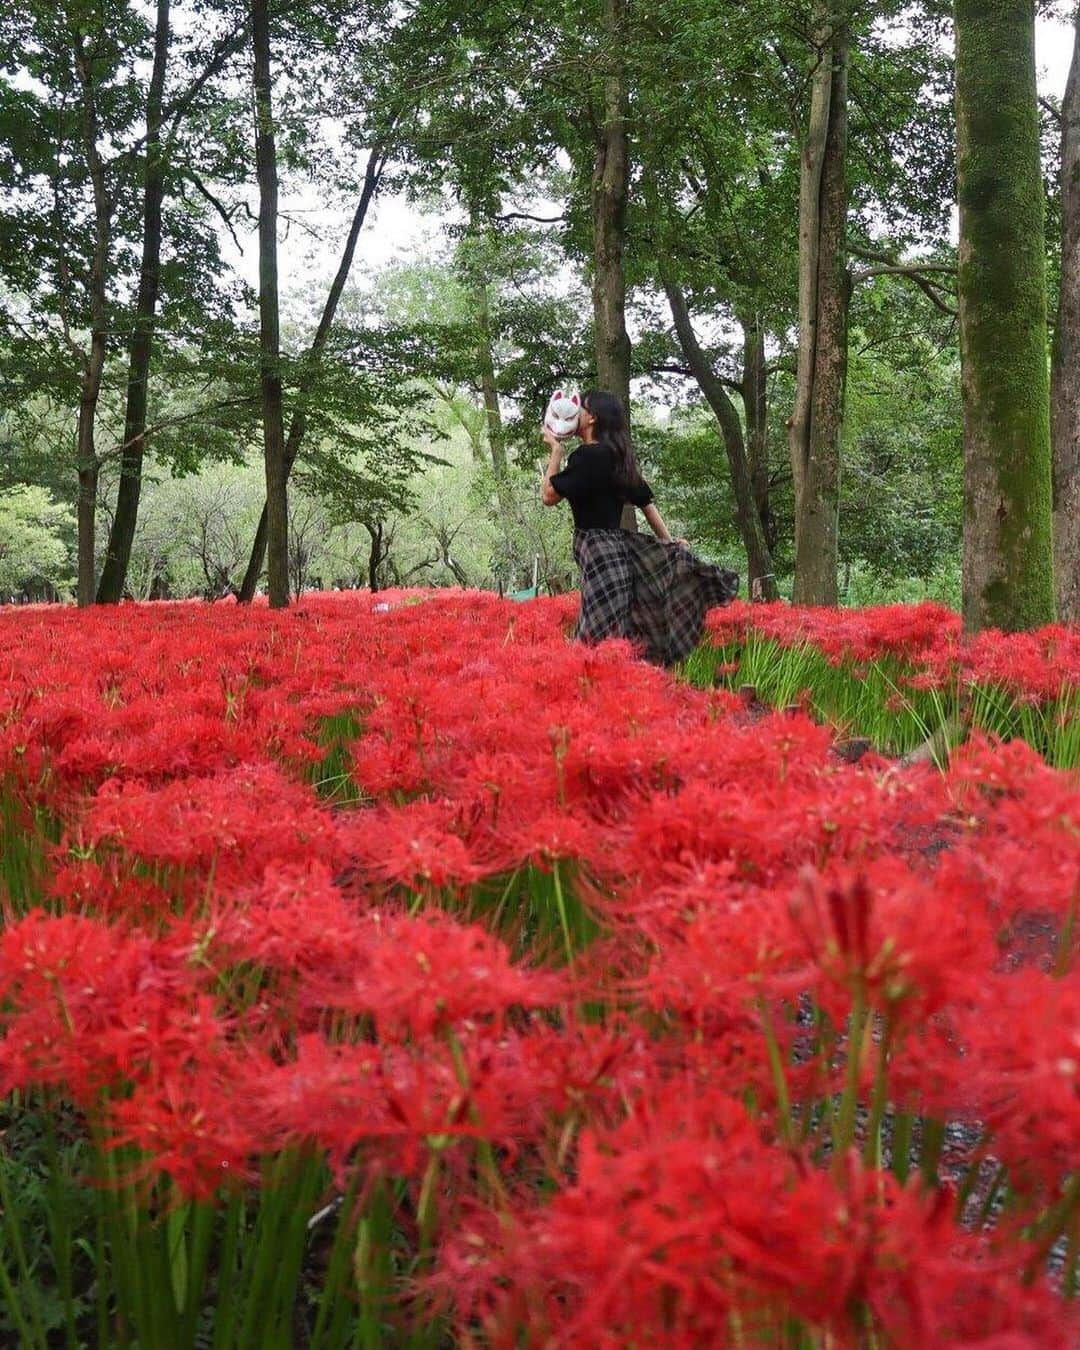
[409, 975]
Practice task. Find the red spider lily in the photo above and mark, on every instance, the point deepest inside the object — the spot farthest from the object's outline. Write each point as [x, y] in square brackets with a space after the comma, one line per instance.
[394, 1106]
[409, 846]
[866, 933]
[294, 920]
[1021, 1070]
[424, 974]
[692, 1230]
[220, 822]
[191, 1122]
[107, 888]
[234, 969]
[928, 640]
[89, 1006]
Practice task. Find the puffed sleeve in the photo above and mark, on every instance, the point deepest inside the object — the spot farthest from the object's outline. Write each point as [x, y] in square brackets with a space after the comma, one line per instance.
[640, 493]
[572, 481]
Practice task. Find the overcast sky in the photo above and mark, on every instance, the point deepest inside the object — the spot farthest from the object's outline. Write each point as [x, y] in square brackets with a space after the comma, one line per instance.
[397, 231]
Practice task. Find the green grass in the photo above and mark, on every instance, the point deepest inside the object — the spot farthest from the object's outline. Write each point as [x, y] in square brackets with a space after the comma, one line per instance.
[876, 700]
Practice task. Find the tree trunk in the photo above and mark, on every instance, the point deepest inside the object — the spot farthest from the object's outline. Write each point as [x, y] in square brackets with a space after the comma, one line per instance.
[488, 388]
[1065, 398]
[90, 385]
[610, 195]
[375, 554]
[755, 398]
[298, 425]
[277, 510]
[496, 430]
[824, 294]
[1008, 549]
[87, 503]
[762, 580]
[118, 551]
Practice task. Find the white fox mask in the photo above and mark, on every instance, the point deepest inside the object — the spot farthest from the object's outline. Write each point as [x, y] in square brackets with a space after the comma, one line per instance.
[563, 413]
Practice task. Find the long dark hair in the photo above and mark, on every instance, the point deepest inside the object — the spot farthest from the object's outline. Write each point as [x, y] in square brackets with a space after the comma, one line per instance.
[611, 430]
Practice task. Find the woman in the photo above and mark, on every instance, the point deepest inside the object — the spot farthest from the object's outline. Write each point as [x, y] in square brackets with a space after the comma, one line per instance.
[652, 591]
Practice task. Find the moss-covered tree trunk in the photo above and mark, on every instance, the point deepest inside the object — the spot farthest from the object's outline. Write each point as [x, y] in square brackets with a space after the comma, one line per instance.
[824, 295]
[1008, 567]
[1065, 397]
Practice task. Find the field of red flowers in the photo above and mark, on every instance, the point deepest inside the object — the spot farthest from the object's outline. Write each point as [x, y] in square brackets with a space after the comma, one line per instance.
[390, 971]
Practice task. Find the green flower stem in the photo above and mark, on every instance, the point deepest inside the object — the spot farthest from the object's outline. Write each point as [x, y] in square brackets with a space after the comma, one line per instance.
[844, 1129]
[228, 1303]
[59, 1220]
[1063, 958]
[326, 1330]
[564, 920]
[933, 1140]
[1072, 1259]
[203, 1221]
[963, 1195]
[1057, 1220]
[872, 1148]
[903, 1130]
[779, 1076]
[14, 1303]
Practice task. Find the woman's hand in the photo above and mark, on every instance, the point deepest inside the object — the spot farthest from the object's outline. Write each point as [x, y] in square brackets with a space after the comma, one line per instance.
[548, 495]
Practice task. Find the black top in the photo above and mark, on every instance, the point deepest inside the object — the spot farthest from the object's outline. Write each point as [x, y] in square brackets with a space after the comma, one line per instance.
[588, 484]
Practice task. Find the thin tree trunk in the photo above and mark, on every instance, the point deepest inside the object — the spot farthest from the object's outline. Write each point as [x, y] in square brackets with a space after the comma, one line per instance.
[1008, 549]
[298, 425]
[488, 388]
[755, 398]
[86, 509]
[375, 554]
[118, 550]
[496, 430]
[759, 561]
[277, 510]
[824, 292]
[610, 195]
[94, 369]
[1065, 398]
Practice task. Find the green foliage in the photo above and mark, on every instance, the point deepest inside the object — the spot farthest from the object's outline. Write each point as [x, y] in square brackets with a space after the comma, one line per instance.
[35, 534]
[902, 489]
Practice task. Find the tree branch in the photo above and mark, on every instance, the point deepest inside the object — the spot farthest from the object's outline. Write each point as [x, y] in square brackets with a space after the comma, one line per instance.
[915, 275]
[204, 191]
[1052, 108]
[524, 215]
[178, 420]
[874, 255]
[669, 368]
[913, 272]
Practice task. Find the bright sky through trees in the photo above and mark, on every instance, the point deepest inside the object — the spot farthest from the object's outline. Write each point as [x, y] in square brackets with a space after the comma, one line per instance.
[399, 231]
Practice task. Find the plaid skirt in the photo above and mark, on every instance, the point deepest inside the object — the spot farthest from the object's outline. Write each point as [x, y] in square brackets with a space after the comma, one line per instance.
[633, 586]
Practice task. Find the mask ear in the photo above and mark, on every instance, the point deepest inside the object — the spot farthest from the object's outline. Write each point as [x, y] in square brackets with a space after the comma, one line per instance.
[559, 394]
[576, 401]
